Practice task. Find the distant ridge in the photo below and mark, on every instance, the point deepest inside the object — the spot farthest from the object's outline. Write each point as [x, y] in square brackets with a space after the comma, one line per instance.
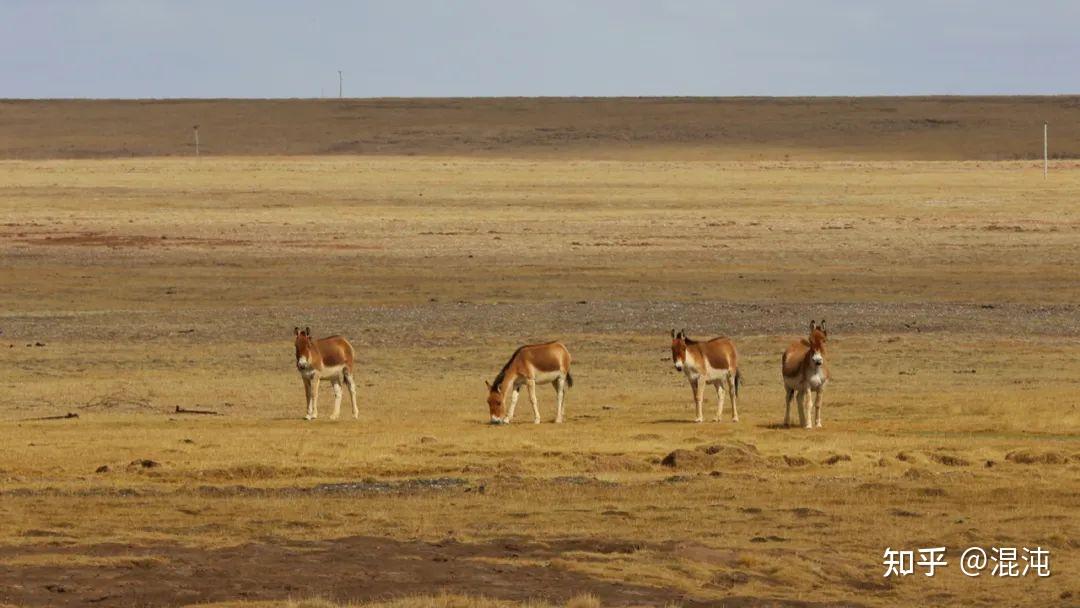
[647, 128]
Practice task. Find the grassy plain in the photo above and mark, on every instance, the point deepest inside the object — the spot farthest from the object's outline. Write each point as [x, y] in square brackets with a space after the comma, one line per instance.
[134, 286]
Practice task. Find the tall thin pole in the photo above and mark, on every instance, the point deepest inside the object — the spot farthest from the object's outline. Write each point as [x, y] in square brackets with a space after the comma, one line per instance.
[1046, 150]
[196, 140]
[339, 87]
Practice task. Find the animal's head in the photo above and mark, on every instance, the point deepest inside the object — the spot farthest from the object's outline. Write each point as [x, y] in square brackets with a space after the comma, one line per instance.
[305, 348]
[678, 349]
[818, 336]
[495, 403]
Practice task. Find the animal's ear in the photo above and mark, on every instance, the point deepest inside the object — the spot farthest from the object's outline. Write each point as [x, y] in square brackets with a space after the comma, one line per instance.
[673, 334]
[813, 326]
[683, 332]
[822, 326]
[487, 384]
[296, 331]
[307, 331]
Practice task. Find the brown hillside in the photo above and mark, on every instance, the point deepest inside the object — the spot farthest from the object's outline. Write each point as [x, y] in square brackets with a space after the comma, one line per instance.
[927, 128]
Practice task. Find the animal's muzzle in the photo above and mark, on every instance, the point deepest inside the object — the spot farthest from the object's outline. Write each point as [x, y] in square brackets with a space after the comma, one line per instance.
[818, 360]
[678, 366]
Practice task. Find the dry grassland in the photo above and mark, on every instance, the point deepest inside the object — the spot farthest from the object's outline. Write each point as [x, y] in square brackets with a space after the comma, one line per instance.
[132, 287]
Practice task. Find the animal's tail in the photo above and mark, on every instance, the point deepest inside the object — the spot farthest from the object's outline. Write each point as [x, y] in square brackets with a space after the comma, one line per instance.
[569, 380]
[738, 381]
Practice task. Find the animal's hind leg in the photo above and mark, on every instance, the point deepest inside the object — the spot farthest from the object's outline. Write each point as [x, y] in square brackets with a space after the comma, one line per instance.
[560, 394]
[804, 415]
[731, 393]
[787, 409]
[351, 385]
[719, 402]
[532, 398]
[336, 384]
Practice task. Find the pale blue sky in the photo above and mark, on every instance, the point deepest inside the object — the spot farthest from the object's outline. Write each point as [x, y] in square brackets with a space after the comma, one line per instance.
[249, 48]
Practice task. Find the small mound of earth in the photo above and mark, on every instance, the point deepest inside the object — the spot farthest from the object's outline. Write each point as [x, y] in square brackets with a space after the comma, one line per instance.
[1037, 457]
[835, 458]
[949, 460]
[712, 456]
[613, 463]
[796, 461]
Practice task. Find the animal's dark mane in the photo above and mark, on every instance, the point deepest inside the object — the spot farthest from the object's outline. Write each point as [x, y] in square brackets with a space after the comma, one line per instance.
[688, 340]
[497, 384]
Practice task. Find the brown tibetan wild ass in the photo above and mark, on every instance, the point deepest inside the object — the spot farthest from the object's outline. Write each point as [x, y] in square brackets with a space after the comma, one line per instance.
[712, 362]
[530, 365]
[805, 371]
[326, 358]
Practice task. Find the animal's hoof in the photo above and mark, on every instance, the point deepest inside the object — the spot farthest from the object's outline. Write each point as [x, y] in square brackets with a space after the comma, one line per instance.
[537, 421]
[819, 425]
[809, 427]
[498, 421]
[736, 419]
[699, 420]
[333, 417]
[309, 417]
[558, 421]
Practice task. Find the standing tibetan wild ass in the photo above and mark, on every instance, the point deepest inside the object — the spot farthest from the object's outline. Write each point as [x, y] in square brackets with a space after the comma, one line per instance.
[530, 365]
[712, 362]
[805, 370]
[326, 358]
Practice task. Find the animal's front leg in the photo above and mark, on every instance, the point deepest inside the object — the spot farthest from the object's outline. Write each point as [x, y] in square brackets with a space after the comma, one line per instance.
[804, 403]
[699, 399]
[787, 410]
[818, 397]
[513, 405]
[314, 398]
[532, 398]
[307, 396]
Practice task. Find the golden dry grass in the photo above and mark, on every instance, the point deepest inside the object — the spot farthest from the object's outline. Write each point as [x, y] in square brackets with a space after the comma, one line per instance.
[950, 290]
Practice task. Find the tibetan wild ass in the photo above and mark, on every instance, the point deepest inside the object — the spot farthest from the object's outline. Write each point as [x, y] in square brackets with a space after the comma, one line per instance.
[530, 365]
[805, 370]
[712, 362]
[326, 358]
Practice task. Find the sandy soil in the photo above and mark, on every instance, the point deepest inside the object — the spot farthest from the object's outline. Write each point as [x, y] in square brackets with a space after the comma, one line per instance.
[133, 287]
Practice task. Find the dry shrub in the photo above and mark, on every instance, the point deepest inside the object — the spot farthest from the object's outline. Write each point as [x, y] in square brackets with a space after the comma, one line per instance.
[585, 600]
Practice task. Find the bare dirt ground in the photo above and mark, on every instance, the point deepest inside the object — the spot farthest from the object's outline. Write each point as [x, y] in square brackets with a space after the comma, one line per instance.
[133, 287]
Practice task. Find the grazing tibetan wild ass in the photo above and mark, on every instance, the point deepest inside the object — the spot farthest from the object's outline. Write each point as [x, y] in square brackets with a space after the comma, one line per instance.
[326, 358]
[805, 370]
[530, 365]
[712, 362]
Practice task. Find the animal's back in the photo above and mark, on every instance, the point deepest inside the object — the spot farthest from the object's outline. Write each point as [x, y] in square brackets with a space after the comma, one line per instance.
[721, 353]
[793, 357]
[335, 350]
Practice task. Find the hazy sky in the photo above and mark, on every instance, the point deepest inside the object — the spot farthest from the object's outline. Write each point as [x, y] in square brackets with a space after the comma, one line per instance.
[265, 48]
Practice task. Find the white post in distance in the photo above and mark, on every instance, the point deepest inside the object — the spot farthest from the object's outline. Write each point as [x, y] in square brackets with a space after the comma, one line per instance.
[1046, 150]
[339, 86]
[196, 128]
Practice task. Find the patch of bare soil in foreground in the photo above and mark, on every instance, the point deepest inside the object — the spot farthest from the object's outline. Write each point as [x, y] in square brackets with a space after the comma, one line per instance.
[355, 568]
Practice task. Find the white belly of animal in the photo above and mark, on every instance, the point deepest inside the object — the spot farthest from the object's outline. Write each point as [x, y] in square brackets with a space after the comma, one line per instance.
[326, 372]
[717, 375]
[547, 377]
